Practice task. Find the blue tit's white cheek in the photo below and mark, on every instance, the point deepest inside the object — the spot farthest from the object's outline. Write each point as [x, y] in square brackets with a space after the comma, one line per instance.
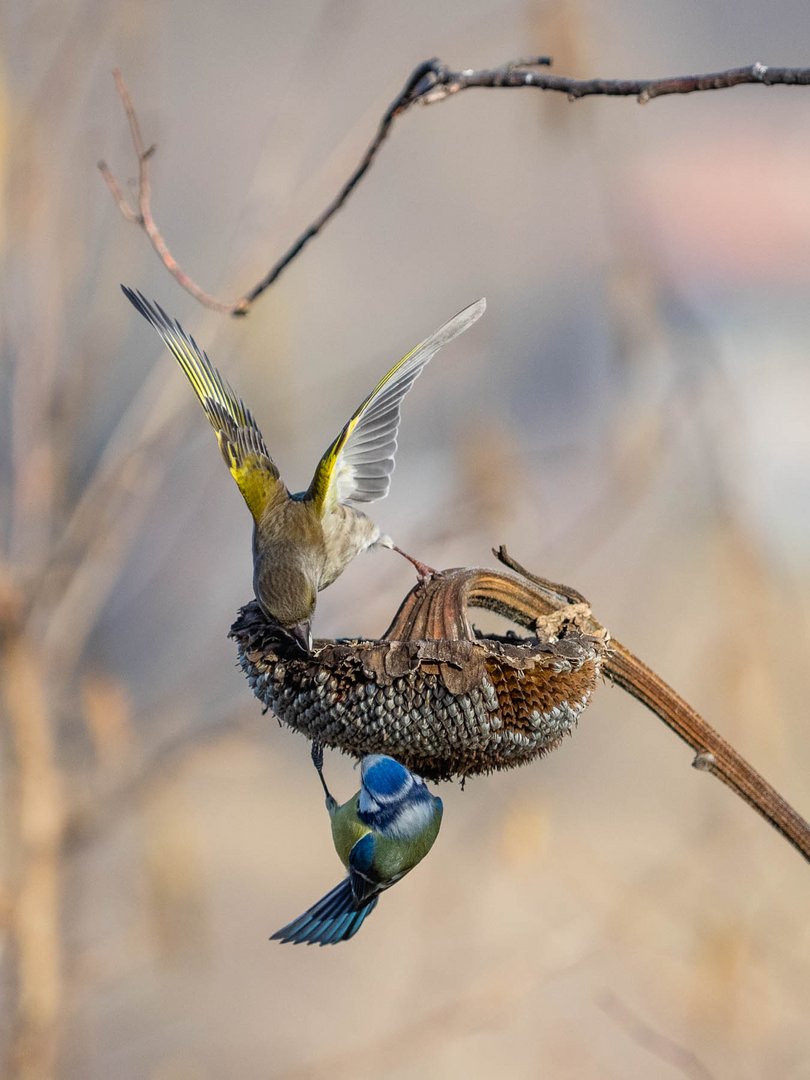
[412, 819]
[367, 804]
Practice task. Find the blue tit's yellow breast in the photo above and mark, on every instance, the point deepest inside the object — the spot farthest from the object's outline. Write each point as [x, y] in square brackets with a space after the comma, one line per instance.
[393, 856]
[347, 828]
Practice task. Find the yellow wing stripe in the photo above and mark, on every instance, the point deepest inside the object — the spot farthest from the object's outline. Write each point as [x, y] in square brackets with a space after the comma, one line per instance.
[358, 464]
[240, 440]
[319, 491]
[324, 473]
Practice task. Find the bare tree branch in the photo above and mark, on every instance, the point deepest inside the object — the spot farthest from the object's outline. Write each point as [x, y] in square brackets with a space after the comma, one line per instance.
[429, 82]
[519, 74]
[143, 215]
[420, 79]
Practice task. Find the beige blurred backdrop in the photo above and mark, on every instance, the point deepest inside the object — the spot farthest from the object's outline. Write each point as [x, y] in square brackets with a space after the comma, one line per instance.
[630, 417]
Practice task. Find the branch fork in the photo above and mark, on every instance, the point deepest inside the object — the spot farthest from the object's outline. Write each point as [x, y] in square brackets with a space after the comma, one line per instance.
[429, 83]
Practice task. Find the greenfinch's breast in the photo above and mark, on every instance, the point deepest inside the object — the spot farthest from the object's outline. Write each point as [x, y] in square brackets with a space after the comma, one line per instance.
[346, 532]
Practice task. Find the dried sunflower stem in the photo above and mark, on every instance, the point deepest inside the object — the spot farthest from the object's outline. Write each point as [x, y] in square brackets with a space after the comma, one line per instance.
[712, 753]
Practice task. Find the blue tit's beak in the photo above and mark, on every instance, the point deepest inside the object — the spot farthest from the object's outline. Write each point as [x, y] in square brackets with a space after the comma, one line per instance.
[302, 636]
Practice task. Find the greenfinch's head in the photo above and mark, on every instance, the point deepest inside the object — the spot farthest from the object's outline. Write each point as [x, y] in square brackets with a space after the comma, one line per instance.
[286, 593]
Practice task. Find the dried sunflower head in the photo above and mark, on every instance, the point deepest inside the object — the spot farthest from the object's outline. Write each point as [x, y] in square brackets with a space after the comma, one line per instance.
[441, 698]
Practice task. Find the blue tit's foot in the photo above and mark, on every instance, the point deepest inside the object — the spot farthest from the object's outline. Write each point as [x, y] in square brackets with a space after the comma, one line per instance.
[317, 755]
[317, 761]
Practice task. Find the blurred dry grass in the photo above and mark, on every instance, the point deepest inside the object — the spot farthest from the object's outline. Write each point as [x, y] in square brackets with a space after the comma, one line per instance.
[632, 418]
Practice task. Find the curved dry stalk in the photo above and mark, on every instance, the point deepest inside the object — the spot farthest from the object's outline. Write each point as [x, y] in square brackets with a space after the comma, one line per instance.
[712, 753]
[429, 82]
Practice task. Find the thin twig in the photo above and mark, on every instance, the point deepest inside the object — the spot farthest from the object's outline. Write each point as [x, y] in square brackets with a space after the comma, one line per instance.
[118, 195]
[143, 215]
[429, 82]
[712, 753]
[664, 1048]
[418, 81]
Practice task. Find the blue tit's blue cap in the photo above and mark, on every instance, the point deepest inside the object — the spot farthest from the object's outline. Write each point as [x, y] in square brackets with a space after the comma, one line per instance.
[384, 778]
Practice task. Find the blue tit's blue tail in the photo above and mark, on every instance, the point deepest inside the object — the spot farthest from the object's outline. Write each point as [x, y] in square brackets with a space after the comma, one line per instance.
[334, 918]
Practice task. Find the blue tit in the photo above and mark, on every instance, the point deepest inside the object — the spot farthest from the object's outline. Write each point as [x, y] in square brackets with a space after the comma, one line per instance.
[380, 834]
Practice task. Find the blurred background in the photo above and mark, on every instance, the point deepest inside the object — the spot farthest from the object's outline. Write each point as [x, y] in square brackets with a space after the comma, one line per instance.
[630, 417]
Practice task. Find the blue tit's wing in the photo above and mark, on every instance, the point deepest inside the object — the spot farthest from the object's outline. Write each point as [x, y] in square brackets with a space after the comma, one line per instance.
[336, 917]
[358, 465]
[237, 432]
[364, 880]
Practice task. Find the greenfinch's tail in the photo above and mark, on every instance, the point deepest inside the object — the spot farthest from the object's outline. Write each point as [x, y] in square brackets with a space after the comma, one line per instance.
[237, 433]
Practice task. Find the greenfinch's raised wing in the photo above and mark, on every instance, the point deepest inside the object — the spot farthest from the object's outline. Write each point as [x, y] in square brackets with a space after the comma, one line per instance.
[358, 465]
[237, 433]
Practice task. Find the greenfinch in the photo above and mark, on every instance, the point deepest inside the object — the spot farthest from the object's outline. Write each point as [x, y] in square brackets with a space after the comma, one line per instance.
[303, 542]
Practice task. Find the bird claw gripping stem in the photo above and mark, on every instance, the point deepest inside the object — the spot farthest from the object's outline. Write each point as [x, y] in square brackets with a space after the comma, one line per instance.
[432, 692]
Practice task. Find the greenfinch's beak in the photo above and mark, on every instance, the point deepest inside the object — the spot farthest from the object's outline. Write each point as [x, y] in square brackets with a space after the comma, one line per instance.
[302, 636]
